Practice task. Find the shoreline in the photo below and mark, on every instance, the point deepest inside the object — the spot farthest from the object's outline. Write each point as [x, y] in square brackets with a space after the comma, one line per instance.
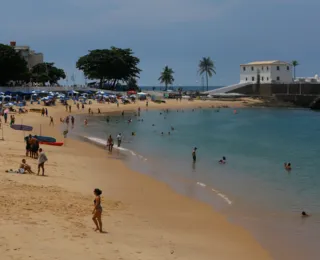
[147, 219]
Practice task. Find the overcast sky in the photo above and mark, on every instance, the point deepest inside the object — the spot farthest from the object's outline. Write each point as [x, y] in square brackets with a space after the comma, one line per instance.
[177, 33]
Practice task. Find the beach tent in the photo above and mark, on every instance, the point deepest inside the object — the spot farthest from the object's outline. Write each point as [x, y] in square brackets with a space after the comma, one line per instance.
[142, 94]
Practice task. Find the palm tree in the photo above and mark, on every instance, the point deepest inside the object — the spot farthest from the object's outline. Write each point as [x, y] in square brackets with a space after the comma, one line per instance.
[295, 63]
[166, 77]
[206, 65]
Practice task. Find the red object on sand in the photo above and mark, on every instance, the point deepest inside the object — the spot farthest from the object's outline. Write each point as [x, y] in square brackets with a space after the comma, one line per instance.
[53, 143]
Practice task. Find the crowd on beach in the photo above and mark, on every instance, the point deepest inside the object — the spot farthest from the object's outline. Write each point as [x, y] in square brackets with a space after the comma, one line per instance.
[34, 151]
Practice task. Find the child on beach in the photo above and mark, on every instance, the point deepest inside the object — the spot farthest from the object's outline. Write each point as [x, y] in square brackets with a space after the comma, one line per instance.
[51, 121]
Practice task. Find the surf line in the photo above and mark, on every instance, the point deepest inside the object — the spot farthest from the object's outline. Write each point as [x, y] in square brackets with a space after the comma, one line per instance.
[221, 195]
[103, 143]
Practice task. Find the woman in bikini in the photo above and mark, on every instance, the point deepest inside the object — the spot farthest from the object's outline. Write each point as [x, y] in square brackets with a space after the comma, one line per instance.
[97, 210]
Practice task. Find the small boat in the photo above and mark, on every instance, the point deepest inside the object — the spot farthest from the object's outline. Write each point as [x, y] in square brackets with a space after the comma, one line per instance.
[52, 143]
[47, 139]
[22, 127]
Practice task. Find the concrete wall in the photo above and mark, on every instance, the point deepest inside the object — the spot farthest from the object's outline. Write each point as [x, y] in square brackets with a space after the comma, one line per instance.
[275, 89]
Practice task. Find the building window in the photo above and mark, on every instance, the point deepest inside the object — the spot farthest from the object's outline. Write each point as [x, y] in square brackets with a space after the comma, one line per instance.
[267, 68]
[267, 79]
[288, 68]
[246, 79]
[252, 68]
[262, 68]
[252, 78]
[278, 68]
[244, 68]
[278, 78]
[262, 78]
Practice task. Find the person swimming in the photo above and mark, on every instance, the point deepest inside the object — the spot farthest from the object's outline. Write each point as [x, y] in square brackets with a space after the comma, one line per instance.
[223, 160]
[287, 166]
[304, 214]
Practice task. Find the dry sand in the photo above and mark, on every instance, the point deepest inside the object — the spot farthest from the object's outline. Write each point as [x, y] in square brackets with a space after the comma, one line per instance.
[50, 217]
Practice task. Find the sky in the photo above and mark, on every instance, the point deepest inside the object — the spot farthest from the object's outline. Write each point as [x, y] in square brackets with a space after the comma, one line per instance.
[177, 33]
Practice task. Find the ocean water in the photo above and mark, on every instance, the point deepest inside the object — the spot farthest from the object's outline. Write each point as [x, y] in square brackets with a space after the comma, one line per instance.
[252, 188]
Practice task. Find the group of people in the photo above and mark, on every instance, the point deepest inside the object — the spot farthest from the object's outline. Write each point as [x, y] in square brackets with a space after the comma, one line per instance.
[110, 142]
[34, 151]
[44, 112]
[32, 146]
[67, 120]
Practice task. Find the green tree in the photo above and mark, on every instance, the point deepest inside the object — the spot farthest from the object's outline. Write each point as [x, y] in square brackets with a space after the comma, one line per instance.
[295, 64]
[206, 65]
[132, 84]
[109, 65]
[166, 77]
[12, 65]
[47, 72]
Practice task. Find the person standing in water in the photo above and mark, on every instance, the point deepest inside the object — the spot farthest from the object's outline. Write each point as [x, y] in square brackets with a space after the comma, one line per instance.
[194, 154]
[119, 139]
[110, 144]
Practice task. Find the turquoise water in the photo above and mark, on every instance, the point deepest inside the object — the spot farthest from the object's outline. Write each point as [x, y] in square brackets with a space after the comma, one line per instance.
[252, 188]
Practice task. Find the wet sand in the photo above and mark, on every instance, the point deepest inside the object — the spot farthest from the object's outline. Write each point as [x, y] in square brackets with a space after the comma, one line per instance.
[50, 217]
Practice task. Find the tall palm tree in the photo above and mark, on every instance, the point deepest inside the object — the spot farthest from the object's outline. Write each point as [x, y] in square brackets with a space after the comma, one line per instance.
[206, 65]
[166, 77]
[295, 63]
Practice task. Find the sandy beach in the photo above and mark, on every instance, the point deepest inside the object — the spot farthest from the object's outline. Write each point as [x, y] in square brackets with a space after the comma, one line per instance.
[50, 217]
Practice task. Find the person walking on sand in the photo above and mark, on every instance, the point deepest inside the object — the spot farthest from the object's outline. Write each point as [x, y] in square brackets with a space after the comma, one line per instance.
[97, 210]
[72, 121]
[69, 108]
[51, 121]
[41, 161]
[194, 154]
[46, 110]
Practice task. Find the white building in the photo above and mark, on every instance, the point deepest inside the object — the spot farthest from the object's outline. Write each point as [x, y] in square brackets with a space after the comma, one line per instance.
[269, 71]
[31, 57]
